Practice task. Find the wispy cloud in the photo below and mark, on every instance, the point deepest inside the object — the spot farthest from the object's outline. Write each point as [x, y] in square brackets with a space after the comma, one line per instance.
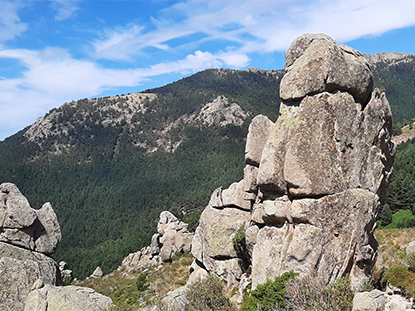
[189, 36]
[10, 24]
[274, 24]
[64, 8]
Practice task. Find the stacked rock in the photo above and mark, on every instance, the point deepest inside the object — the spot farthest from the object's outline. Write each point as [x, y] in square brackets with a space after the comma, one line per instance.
[172, 237]
[313, 180]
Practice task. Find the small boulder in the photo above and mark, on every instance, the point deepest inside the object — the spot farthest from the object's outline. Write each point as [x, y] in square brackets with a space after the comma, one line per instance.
[97, 273]
[369, 301]
[410, 249]
[70, 298]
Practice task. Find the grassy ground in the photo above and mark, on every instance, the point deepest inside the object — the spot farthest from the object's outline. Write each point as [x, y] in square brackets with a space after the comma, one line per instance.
[392, 246]
[122, 286]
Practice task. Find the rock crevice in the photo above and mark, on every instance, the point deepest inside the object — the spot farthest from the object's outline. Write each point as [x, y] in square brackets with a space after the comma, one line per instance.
[313, 180]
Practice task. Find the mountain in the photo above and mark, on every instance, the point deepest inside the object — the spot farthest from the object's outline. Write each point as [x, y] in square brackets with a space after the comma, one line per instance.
[395, 74]
[110, 165]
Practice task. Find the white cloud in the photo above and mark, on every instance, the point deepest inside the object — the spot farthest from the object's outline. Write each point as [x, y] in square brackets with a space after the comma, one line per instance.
[64, 8]
[226, 32]
[275, 24]
[10, 24]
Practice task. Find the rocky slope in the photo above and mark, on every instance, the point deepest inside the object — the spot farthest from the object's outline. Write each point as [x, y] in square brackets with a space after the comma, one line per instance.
[313, 180]
[127, 111]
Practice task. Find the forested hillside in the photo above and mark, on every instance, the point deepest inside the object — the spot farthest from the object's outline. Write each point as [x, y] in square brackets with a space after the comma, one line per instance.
[103, 163]
[109, 166]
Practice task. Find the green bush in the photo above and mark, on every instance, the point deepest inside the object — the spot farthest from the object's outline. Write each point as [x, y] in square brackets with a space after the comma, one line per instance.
[269, 295]
[312, 293]
[208, 295]
[411, 262]
[402, 219]
[141, 282]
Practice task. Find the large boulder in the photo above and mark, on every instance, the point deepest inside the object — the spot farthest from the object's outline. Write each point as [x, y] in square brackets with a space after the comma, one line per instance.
[313, 180]
[332, 146]
[20, 225]
[28, 277]
[22, 270]
[70, 298]
[316, 63]
[370, 301]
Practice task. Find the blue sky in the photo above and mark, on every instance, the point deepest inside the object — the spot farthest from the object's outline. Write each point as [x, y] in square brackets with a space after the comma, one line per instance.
[56, 51]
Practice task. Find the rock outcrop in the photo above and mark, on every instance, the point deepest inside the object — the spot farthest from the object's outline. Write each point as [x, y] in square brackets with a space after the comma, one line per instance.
[28, 276]
[172, 237]
[20, 225]
[22, 270]
[27, 236]
[313, 181]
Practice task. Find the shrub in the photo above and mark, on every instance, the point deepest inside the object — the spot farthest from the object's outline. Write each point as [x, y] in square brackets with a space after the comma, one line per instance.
[311, 293]
[269, 295]
[411, 262]
[402, 219]
[141, 282]
[67, 279]
[208, 294]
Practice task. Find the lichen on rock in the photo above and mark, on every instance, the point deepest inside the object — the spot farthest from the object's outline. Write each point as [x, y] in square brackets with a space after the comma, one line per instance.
[313, 180]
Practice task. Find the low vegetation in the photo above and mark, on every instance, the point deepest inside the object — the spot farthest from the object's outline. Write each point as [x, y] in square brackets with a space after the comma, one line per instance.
[268, 295]
[403, 278]
[130, 291]
[311, 293]
[208, 294]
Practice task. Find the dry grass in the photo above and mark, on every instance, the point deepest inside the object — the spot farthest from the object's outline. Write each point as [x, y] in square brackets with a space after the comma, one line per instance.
[171, 275]
[122, 288]
[392, 246]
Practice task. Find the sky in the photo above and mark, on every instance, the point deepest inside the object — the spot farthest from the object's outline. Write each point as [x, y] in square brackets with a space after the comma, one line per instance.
[56, 51]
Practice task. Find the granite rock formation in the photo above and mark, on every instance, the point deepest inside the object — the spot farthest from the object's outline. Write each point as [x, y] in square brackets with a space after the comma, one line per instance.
[27, 236]
[20, 225]
[313, 180]
[28, 276]
[21, 271]
[172, 237]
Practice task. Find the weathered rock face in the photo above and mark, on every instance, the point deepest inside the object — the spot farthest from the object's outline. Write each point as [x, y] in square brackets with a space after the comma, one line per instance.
[27, 275]
[313, 181]
[172, 237]
[316, 63]
[26, 237]
[22, 270]
[20, 225]
[71, 298]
